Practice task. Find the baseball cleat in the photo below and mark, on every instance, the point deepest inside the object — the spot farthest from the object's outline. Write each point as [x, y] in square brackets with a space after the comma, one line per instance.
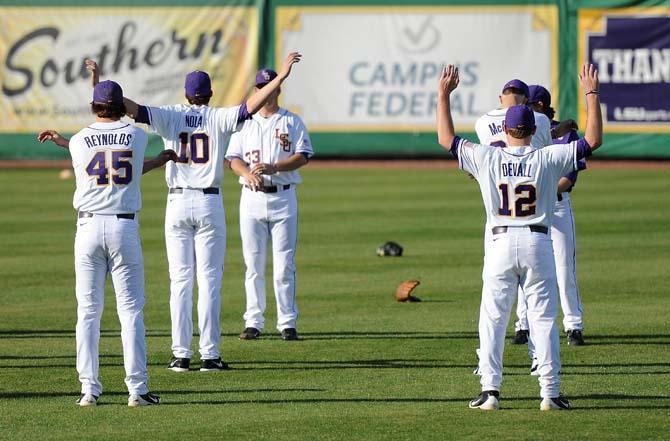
[520, 337]
[575, 337]
[487, 400]
[533, 368]
[250, 334]
[148, 399]
[87, 400]
[289, 334]
[213, 365]
[179, 364]
[558, 403]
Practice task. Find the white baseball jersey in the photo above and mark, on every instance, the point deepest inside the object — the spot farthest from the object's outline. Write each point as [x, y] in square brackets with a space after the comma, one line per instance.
[107, 158]
[490, 129]
[272, 139]
[518, 184]
[198, 134]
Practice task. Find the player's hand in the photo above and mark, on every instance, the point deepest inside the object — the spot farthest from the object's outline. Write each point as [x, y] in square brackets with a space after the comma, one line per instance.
[289, 61]
[254, 182]
[588, 78]
[448, 79]
[92, 67]
[263, 169]
[564, 127]
[168, 155]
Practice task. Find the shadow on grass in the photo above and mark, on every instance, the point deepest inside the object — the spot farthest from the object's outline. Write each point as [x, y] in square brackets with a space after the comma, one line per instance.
[19, 395]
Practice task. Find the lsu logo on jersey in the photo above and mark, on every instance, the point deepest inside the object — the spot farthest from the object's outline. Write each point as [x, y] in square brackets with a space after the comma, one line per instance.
[284, 141]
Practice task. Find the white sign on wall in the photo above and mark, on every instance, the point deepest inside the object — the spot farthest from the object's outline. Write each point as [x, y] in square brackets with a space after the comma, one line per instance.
[376, 68]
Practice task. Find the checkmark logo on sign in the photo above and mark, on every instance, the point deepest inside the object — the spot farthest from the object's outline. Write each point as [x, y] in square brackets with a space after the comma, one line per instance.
[419, 38]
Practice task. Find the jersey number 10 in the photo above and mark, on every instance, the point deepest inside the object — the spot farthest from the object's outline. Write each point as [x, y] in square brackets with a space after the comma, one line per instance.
[193, 147]
[524, 204]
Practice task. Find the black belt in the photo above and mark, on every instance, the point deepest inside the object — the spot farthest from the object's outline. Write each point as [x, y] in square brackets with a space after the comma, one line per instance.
[272, 188]
[118, 216]
[209, 190]
[559, 196]
[534, 228]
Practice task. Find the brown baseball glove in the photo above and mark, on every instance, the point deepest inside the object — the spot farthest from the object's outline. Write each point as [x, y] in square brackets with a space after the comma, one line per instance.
[405, 289]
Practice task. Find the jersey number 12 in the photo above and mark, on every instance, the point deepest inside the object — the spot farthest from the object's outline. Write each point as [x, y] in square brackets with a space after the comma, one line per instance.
[524, 204]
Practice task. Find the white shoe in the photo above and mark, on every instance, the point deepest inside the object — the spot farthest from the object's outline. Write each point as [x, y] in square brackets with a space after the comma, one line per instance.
[533, 368]
[487, 400]
[147, 399]
[557, 403]
[87, 400]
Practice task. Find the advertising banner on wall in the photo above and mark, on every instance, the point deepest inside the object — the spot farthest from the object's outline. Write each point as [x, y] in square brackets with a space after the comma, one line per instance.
[632, 50]
[368, 69]
[147, 50]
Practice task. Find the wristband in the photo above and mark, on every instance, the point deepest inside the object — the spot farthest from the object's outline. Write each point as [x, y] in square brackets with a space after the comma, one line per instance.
[595, 92]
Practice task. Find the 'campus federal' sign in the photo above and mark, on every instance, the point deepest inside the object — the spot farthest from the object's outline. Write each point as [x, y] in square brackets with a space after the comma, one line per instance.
[369, 69]
[631, 48]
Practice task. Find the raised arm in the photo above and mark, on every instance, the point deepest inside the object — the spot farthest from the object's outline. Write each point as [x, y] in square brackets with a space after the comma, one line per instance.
[445, 124]
[55, 137]
[258, 99]
[588, 80]
[131, 106]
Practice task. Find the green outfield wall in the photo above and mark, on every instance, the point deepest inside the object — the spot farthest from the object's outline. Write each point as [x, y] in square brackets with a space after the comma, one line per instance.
[367, 83]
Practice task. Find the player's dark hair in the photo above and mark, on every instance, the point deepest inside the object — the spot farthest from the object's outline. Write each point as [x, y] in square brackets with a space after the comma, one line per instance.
[198, 100]
[520, 133]
[550, 112]
[113, 111]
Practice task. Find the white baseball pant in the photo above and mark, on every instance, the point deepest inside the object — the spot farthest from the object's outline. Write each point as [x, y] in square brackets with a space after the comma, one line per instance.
[105, 243]
[565, 256]
[195, 238]
[516, 258]
[271, 216]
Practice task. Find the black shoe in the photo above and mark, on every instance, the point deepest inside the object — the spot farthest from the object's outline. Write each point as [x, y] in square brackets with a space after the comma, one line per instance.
[289, 334]
[487, 400]
[179, 364]
[148, 399]
[213, 365]
[250, 334]
[558, 403]
[575, 337]
[520, 337]
[86, 400]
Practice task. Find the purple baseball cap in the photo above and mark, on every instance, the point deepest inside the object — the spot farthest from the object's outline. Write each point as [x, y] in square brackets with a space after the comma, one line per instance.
[107, 92]
[519, 117]
[538, 93]
[518, 85]
[264, 76]
[198, 84]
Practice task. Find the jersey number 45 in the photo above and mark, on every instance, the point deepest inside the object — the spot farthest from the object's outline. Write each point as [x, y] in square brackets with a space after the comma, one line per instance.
[193, 147]
[119, 160]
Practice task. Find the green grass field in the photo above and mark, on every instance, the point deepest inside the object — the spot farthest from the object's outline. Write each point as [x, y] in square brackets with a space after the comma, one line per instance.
[366, 368]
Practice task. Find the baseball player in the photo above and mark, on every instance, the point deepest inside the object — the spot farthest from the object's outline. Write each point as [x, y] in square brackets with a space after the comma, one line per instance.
[266, 154]
[518, 184]
[195, 228]
[563, 227]
[108, 161]
[490, 131]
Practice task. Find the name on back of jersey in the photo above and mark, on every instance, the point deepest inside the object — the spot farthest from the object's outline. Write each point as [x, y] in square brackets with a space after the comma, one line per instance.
[193, 120]
[516, 169]
[496, 128]
[108, 139]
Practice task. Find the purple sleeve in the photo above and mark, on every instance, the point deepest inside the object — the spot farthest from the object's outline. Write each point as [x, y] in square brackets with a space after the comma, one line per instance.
[454, 146]
[583, 149]
[572, 176]
[243, 114]
[142, 115]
